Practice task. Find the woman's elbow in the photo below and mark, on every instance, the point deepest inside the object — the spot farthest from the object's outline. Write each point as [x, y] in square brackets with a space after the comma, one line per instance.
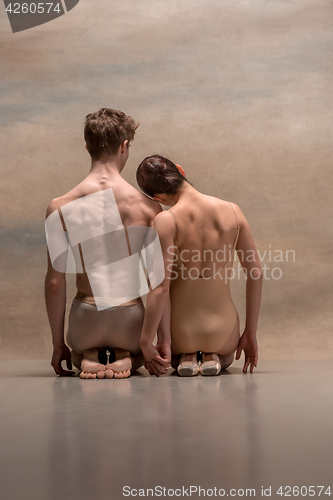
[162, 289]
[255, 274]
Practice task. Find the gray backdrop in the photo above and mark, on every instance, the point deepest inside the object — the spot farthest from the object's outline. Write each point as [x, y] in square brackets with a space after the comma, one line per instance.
[237, 92]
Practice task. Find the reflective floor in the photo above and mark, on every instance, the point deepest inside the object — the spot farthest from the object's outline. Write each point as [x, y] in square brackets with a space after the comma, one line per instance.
[79, 439]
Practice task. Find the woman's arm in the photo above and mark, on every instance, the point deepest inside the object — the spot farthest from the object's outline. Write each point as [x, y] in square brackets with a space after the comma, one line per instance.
[249, 259]
[158, 299]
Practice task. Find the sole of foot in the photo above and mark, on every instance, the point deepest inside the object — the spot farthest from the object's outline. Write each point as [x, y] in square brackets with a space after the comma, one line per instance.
[120, 368]
[92, 370]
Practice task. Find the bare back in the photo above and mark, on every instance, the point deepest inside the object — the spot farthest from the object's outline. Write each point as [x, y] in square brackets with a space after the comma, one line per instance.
[135, 209]
[206, 231]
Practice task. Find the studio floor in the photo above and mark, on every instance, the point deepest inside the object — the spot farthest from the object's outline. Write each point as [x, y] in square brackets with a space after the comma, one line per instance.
[73, 439]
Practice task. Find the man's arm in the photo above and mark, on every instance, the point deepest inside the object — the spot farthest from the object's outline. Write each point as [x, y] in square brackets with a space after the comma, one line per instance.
[55, 299]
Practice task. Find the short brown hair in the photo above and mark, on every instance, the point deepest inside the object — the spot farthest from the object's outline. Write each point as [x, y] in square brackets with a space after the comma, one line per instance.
[158, 175]
[105, 130]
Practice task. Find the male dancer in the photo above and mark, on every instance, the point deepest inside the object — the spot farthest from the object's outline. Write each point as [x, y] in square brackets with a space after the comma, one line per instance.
[108, 134]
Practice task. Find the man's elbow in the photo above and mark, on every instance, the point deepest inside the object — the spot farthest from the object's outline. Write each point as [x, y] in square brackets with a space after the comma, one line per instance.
[54, 285]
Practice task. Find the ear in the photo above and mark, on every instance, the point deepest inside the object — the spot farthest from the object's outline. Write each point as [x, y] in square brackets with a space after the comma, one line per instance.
[181, 170]
[159, 198]
[123, 146]
[87, 148]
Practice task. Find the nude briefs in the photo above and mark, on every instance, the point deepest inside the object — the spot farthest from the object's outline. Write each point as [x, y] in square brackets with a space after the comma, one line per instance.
[117, 327]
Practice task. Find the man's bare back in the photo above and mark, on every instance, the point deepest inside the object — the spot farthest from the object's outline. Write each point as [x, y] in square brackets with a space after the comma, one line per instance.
[135, 209]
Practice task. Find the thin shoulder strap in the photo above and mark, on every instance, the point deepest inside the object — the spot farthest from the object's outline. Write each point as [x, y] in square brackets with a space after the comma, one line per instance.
[174, 220]
[237, 233]
[235, 214]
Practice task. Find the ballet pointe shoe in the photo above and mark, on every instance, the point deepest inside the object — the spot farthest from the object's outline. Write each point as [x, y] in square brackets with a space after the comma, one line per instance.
[210, 367]
[188, 368]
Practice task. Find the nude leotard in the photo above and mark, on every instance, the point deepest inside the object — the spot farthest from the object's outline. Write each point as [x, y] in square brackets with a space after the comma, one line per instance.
[203, 314]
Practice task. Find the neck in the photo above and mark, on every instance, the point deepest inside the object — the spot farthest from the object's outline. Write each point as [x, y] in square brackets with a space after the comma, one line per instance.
[106, 168]
[186, 191]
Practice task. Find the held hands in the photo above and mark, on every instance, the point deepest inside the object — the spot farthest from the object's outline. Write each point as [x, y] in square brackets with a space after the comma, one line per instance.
[164, 350]
[248, 343]
[157, 359]
[59, 354]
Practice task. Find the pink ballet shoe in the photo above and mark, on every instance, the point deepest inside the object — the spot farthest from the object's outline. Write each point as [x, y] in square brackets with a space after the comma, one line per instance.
[211, 367]
[188, 368]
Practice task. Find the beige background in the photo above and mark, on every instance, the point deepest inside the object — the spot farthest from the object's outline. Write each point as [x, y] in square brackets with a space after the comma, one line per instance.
[237, 92]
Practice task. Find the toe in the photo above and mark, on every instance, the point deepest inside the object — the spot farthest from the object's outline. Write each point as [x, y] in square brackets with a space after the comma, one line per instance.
[101, 374]
[109, 373]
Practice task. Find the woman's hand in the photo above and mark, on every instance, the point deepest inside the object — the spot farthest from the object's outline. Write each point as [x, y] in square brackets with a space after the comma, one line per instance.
[248, 343]
[154, 363]
[164, 351]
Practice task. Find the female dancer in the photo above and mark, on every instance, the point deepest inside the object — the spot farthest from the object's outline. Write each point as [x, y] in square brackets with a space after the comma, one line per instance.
[198, 238]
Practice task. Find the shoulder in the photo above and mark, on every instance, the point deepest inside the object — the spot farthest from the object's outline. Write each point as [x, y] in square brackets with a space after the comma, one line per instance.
[153, 205]
[54, 205]
[57, 203]
[217, 203]
[164, 223]
[242, 221]
[237, 209]
[225, 205]
[73, 194]
[150, 208]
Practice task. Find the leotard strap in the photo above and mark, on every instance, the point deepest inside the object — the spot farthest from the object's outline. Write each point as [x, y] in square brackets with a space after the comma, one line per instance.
[174, 220]
[235, 214]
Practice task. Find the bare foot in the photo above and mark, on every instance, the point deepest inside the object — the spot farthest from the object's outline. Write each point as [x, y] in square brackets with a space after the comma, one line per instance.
[76, 359]
[121, 368]
[90, 366]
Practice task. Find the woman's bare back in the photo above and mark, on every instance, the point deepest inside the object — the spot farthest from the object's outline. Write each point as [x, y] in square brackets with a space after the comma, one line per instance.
[206, 231]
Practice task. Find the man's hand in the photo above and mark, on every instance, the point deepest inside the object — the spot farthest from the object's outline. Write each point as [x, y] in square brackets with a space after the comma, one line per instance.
[154, 363]
[248, 343]
[59, 354]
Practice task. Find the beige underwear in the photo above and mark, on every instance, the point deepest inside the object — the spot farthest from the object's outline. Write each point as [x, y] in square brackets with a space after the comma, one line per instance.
[203, 314]
[117, 327]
